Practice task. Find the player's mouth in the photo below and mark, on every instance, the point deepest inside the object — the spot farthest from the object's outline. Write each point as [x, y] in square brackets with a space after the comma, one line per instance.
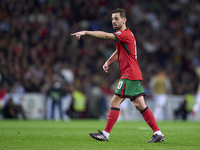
[114, 25]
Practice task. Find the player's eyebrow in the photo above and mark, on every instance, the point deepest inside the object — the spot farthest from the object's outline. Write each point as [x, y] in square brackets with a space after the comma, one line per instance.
[116, 18]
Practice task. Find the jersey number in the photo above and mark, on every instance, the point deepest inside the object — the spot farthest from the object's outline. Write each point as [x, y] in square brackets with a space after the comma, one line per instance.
[120, 85]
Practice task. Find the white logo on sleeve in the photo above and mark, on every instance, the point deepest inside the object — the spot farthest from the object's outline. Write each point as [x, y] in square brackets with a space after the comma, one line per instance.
[118, 32]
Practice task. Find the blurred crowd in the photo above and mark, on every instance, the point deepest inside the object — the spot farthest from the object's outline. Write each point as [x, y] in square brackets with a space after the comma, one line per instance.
[35, 43]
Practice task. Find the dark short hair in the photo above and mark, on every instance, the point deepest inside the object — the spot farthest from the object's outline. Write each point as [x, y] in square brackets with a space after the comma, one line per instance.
[121, 11]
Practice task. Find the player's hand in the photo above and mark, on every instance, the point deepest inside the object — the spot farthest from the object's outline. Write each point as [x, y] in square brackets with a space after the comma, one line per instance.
[106, 67]
[78, 34]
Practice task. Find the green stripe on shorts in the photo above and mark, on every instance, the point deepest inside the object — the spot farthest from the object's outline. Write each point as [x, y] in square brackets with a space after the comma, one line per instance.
[129, 88]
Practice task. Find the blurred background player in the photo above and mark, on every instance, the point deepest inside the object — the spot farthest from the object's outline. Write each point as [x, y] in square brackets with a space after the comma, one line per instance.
[197, 104]
[185, 107]
[56, 93]
[160, 86]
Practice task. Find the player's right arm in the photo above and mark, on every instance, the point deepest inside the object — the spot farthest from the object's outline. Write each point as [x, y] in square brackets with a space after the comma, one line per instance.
[97, 34]
[112, 58]
[102, 35]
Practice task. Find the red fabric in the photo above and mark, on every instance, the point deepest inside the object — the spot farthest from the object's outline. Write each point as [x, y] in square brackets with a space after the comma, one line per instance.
[127, 55]
[112, 118]
[2, 92]
[150, 120]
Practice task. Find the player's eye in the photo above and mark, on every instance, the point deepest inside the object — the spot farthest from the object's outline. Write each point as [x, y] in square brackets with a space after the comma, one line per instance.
[116, 18]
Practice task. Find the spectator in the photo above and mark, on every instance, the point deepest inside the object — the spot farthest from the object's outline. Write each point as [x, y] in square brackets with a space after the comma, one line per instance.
[56, 93]
[13, 111]
[95, 102]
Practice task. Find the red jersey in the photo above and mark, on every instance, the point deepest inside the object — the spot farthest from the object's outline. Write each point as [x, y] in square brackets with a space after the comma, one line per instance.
[127, 55]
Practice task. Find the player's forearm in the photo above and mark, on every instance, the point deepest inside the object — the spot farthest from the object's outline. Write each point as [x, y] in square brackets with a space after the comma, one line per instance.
[113, 57]
[100, 34]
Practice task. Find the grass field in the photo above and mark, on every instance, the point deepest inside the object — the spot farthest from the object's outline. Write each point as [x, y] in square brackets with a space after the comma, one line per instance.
[73, 135]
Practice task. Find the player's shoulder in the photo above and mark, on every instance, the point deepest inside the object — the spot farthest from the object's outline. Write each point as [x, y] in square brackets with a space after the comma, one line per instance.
[128, 31]
[124, 32]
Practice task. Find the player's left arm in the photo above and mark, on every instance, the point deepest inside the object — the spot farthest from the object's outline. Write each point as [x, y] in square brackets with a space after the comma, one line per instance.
[112, 58]
[97, 34]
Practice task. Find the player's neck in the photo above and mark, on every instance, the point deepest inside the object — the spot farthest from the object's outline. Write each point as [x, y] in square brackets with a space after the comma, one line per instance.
[122, 28]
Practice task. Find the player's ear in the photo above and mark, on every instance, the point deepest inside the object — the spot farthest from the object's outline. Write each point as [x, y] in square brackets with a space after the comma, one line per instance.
[124, 20]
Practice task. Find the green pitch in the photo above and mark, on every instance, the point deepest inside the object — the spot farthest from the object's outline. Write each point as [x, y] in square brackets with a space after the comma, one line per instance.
[73, 135]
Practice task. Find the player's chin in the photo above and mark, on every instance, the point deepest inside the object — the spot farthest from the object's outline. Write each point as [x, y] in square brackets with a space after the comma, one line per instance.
[116, 27]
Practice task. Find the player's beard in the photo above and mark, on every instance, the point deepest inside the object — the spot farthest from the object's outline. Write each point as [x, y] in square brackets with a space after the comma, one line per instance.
[117, 27]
